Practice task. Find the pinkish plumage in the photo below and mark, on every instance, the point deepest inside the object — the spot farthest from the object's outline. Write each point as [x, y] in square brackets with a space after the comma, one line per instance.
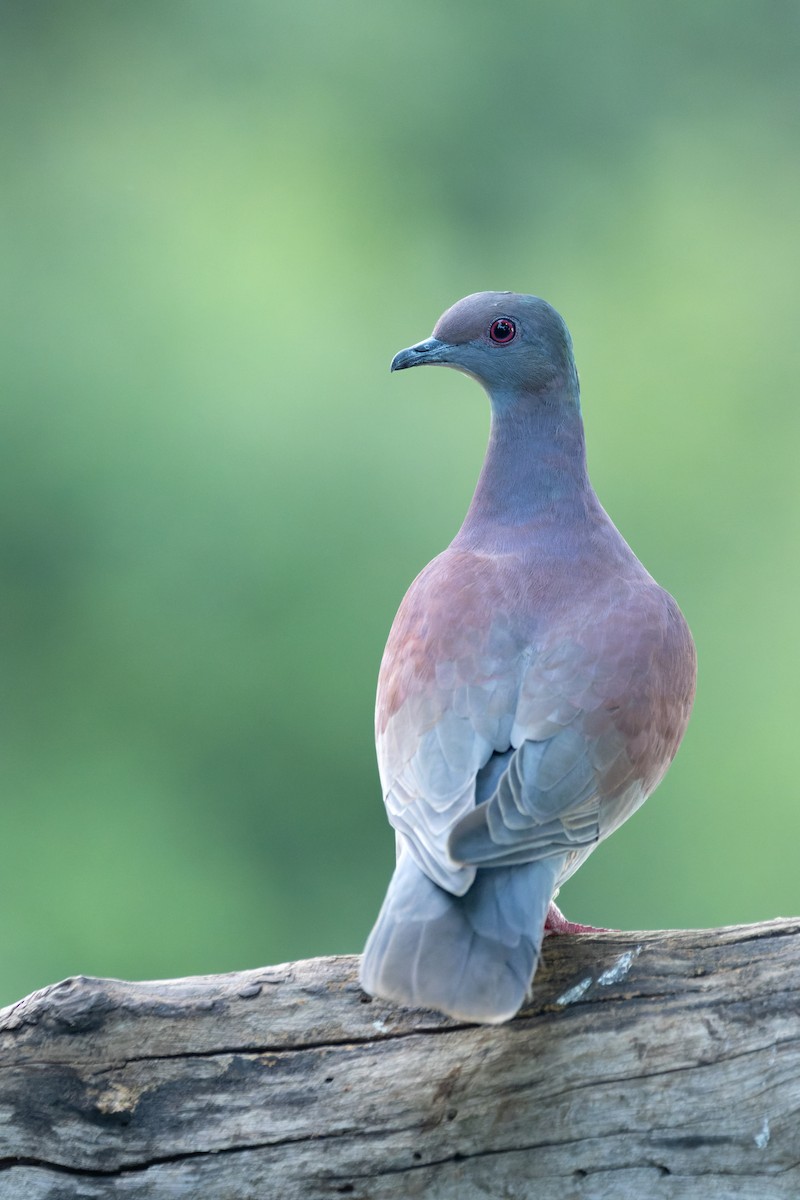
[534, 689]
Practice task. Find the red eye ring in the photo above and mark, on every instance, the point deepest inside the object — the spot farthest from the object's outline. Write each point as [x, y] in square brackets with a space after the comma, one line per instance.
[502, 331]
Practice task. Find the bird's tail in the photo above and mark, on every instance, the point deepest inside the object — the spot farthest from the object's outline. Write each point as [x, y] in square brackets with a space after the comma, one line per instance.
[471, 956]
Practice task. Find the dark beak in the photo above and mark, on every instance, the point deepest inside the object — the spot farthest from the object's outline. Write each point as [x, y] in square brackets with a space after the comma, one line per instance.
[432, 351]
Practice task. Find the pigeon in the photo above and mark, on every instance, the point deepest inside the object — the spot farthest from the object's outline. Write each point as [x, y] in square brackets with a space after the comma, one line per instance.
[534, 688]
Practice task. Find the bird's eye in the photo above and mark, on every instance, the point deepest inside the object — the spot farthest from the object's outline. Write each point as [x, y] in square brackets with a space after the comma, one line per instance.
[502, 331]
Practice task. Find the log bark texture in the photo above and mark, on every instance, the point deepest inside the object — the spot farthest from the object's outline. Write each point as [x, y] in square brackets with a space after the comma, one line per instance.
[647, 1065]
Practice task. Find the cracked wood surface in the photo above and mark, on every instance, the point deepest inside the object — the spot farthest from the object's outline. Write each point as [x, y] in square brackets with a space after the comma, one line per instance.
[647, 1065]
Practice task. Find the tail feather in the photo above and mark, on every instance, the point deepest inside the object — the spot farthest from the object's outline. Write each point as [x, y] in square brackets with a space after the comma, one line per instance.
[471, 956]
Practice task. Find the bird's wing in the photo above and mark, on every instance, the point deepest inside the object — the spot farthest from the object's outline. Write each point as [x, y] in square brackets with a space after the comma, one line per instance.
[447, 696]
[431, 762]
[593, 734]
[505, 740]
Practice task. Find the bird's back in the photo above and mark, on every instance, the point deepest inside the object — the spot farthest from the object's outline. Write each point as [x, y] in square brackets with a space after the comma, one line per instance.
[490, 649]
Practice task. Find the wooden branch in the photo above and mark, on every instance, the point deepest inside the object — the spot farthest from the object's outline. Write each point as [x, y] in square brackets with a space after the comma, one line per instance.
[648, 1065]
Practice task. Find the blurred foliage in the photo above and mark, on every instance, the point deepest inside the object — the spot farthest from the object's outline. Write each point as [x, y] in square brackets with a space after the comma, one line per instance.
[218, 224]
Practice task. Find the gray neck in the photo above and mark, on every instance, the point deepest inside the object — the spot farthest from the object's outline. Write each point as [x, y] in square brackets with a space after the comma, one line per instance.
[534, 470]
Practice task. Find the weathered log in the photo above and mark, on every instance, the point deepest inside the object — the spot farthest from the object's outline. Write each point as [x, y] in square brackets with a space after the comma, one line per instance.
[647, 1065]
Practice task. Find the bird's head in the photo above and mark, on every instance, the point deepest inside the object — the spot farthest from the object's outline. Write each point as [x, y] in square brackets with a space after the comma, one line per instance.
[510, 343]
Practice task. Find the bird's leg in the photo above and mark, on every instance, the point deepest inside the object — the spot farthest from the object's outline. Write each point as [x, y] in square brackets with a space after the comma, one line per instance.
[556, 922]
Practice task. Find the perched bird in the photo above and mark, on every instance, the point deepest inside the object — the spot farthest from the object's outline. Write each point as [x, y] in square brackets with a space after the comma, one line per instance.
[534, 689]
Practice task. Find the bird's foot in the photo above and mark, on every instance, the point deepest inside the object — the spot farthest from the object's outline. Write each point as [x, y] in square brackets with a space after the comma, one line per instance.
[556, 922]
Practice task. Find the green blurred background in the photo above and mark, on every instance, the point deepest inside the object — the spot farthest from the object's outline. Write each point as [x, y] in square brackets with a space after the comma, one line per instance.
[219, 222]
